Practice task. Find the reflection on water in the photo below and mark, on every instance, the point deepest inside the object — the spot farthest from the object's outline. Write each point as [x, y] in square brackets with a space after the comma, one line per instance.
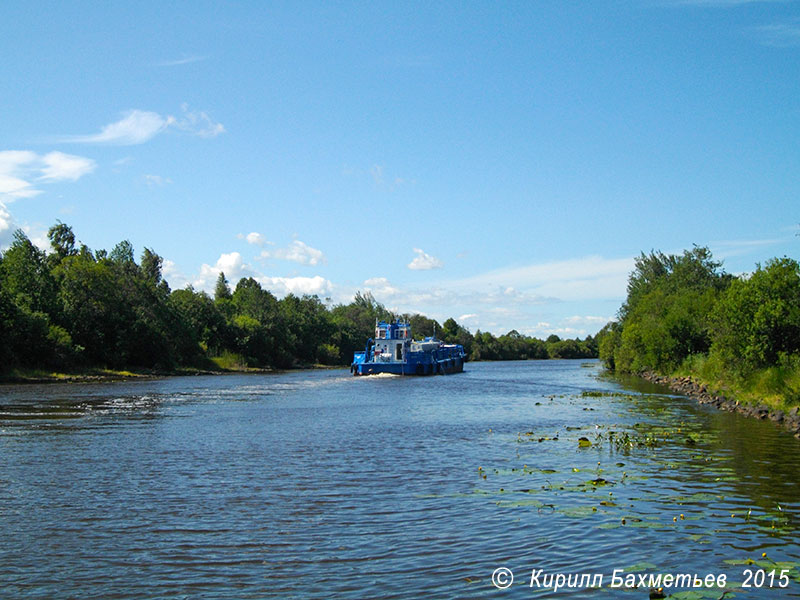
[318, 484]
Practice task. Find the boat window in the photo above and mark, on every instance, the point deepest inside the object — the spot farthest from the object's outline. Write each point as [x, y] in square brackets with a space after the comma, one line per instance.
[399, 351]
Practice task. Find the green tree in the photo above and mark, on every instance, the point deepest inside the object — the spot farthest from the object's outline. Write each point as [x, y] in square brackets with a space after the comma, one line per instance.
[308, 326]
[206, 324]
[150, 266]
[454, 333]
[122, 253]
[62, 240]
[665, 318]
[26, 277]
[758, 318]
[422, 327]
[221, 290]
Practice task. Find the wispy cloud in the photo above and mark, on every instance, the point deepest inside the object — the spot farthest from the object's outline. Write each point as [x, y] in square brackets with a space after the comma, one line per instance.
[185, 60]
[522, 298]
[424, 261]
[381, 177]
[140, 126]
[156, 180]
[198, 123]
[22, 170]
[377, 174]
[297, 251]
[718, 3]
[135, 127]
[729, 248]
[591, 277]
[780, 35]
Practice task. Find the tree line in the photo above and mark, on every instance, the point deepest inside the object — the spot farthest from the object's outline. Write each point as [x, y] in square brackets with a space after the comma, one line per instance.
[74, 307]
[685, 315]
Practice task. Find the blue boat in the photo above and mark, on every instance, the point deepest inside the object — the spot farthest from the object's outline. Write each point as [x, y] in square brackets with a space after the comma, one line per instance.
[394, 351]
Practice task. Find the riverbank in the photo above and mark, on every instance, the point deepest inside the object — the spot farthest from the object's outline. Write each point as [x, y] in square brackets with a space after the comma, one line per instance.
[98, 375]
[694, 389]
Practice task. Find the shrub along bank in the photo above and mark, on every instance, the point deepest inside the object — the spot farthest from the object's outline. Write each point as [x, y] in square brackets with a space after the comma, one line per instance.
[737, 338]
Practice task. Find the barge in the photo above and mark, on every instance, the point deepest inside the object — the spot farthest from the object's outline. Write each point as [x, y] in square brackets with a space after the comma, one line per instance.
[394, 351]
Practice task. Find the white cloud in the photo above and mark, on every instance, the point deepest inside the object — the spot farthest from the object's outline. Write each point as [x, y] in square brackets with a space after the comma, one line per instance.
[381, 286]
[135, 127]
[21, 170]
[298, 286]
[14, 166]
[6, 226]
[156, 180]
[235, 268]
[587, 320]
[65, 167]
[14, 187]
[170, 272]
[38, 237]
[297, 251]
[254, 238]
[140, 126]
[231, 263]
[424, 261]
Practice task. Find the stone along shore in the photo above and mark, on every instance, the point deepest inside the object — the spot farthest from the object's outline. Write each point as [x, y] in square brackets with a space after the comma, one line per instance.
[689, 387]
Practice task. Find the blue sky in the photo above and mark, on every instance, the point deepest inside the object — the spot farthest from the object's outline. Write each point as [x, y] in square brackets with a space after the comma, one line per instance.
[499, 163]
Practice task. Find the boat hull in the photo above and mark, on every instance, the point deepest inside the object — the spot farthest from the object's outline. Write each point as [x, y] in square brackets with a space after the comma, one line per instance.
[437, 367]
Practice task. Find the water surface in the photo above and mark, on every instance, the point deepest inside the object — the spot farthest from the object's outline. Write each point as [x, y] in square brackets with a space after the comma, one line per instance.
[318, 485]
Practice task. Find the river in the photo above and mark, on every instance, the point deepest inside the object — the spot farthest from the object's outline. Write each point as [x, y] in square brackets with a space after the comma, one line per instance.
[317, 484]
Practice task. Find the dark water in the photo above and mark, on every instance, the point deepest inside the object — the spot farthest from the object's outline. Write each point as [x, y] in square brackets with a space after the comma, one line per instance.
[320, 485]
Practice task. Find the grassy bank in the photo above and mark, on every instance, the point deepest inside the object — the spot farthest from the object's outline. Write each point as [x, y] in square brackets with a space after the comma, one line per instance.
[776, 387]
[228, 363]
[23, 375]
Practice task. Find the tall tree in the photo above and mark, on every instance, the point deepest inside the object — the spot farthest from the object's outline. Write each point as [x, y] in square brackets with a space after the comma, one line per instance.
[26, 276]
[62, 240]
[150, 266]
[221, 290]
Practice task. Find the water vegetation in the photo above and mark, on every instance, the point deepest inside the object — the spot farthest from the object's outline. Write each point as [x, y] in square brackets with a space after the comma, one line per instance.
[685, 317]
[74, 312]
[620, 480]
